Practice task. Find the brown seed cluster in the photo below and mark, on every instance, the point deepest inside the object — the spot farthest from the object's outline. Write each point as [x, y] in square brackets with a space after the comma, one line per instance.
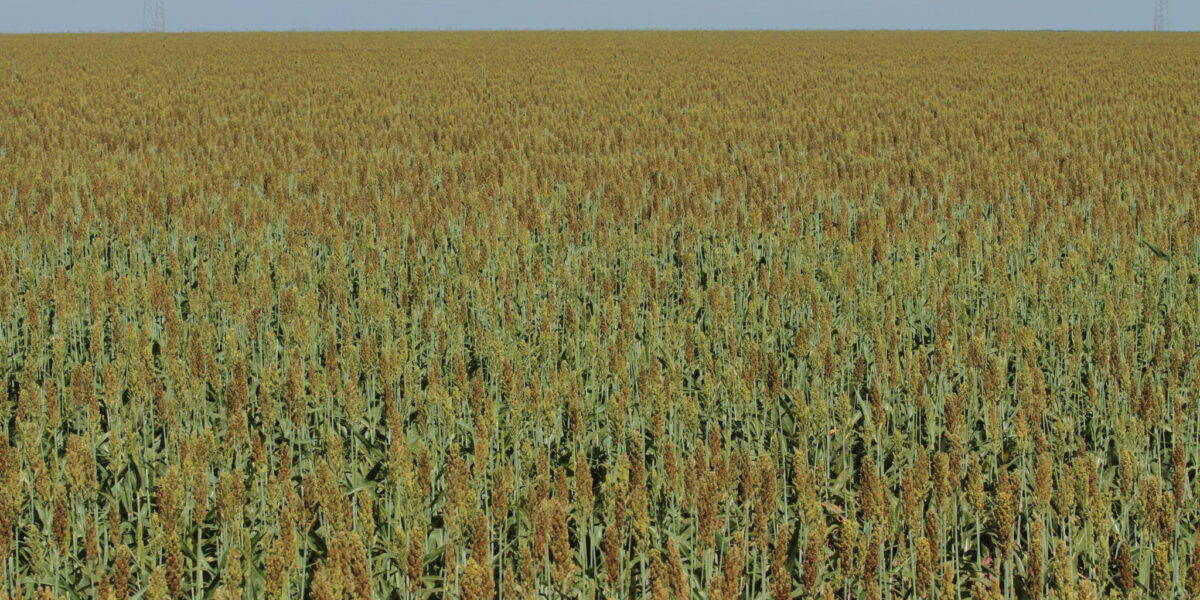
[603, 315]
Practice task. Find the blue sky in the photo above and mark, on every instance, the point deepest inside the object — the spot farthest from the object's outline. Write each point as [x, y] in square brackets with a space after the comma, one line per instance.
[223, 15]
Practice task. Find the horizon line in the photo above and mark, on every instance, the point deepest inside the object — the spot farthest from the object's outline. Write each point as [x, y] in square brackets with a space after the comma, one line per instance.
[584, 30]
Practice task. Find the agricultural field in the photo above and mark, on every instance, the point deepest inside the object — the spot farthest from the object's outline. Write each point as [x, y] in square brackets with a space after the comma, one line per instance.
[595, 315]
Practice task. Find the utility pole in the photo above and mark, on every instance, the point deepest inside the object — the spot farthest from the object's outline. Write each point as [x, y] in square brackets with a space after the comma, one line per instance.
[1160, 15]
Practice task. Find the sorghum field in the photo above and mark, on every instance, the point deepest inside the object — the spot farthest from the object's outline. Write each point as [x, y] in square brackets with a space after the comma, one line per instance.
[600, 315]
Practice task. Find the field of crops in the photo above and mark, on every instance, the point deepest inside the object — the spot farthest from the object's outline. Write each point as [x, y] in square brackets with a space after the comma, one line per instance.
[733, 316]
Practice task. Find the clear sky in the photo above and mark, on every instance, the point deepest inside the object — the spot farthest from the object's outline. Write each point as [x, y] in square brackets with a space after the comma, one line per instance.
[223, 15]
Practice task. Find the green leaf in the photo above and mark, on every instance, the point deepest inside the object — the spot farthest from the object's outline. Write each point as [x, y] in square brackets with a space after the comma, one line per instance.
[1156, 250]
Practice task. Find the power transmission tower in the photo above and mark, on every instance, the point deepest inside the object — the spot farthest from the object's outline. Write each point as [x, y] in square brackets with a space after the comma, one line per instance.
[160, 19]
[1160, 15]
[148, 15]
[153, 17]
